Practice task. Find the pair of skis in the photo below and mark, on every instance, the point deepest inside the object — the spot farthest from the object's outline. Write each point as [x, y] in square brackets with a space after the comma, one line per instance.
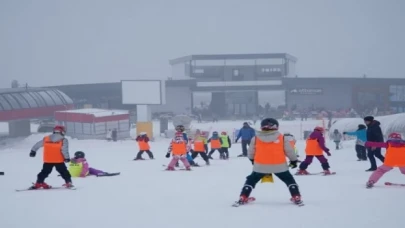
[394, 184]
[252, 199]
[319, 173]
[45, 189]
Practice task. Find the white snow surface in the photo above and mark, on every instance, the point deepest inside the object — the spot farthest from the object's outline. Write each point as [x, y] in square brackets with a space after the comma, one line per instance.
[96, 112]
[144, 196]
[389, 124]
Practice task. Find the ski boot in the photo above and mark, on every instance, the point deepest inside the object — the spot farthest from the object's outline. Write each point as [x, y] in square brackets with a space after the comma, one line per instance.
[241, 156]
[370, 184]
[188, 168]
[302, 172]
[297, 200]
[207, 162]
[327, 172]
[243, 200]
[137, 159]
[40, 185]
[170, 168]
[68, 185]
[195, 164]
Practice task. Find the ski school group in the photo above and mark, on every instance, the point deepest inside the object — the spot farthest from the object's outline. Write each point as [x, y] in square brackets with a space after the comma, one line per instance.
[268, 152]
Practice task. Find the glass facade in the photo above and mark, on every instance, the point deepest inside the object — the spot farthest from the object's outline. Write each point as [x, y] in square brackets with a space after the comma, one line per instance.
[33, 99]
[397, 93]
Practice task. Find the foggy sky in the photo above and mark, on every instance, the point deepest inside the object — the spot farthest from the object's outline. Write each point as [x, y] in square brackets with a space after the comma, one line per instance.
[48, 42]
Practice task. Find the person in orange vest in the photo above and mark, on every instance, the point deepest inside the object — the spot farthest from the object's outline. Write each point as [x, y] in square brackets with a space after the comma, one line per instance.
[394, 157]
[315, 146]
[178, 148]
[291, 139]
[199, 147]
[267, 152]
[215, 143]
[55, 154]
[143, 144]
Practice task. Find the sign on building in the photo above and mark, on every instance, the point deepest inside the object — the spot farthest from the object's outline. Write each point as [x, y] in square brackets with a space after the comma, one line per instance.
[307, 91]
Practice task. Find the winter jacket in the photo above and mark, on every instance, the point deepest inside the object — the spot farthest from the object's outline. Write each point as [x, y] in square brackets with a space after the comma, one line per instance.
[361, 136]
[82, 168]
[246, 133]
[270, 136]
[374, 133]
[321, 140]
[337, 137]
[56, 137]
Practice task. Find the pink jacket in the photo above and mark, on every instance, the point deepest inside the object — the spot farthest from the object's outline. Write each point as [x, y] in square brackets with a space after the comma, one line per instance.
[85, 170]
[394, 143]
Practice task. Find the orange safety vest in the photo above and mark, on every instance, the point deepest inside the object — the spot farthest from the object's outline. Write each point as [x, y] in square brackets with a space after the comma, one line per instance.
[312, 148]
[53, 151]
[143, 145]
[395, 156]
[215, 144]
[270, 153]
[179, 148]
[199, 146]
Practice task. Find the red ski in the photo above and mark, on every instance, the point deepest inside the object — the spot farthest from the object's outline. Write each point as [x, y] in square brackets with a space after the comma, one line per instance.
[249, 200]
[44, 189]
[394, 184]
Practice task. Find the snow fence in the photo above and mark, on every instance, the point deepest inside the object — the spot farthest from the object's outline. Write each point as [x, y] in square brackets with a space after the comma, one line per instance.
[389, 124]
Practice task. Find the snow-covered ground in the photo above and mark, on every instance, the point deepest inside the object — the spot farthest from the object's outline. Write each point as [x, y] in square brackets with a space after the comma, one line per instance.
[144, 196]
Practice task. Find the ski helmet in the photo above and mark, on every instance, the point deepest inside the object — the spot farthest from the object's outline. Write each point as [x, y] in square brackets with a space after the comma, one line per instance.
[79, 154]
[215, 133]
[395, 136]
[362, 126]
[180, 128]
[321, 129]
[59, 129]
[269, 124]
[223, 133]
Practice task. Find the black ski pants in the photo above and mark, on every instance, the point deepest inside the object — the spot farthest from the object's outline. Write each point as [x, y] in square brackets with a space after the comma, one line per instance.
[213, 150]
[204, 156]
[47, 169]
[361, 152]
[225, 152]
[139, 155]
[285, 177]
[371, 154]
[245, 144]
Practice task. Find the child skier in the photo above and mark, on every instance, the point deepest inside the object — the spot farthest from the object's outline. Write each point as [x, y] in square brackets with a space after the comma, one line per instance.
[215, 144]
[181, 129]
[337, 138]
[394, 157]
[315, 146]
[225, 145]
[200, 147]
[268, 155]
[56, 153]
[361, 134]
[143, 144]
[78, 167]
[178, 147]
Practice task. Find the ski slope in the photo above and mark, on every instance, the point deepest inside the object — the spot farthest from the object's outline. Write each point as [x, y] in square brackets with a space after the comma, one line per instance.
[144, 196]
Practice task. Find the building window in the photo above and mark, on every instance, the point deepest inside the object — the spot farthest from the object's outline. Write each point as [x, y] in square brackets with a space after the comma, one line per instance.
[4, 103]
[12, 101]
[235, 72]
[198, 71]
[397, 93]
[265, 70]
[23, 102]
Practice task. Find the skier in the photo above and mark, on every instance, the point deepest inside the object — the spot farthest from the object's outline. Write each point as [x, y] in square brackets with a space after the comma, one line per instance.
[200, 147]
[226, 144]
[315, 146]
[268, 153]
[178, 147]
[143, 144]
[215, 144]
[56, 153]
[246, 133]
[394, 157]
[181, 129]
[361, 134]
[337, 138]
[78, 167]
[291, 139]
[374, 134]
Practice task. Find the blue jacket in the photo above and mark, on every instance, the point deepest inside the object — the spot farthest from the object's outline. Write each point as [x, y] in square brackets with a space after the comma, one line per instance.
[246, 133]
[361, 136]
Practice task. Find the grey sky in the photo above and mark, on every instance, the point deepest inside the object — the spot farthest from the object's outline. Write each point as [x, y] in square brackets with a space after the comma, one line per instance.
[48, 42]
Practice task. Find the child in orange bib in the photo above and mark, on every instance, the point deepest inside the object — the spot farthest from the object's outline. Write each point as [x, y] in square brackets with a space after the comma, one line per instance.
[394, 157]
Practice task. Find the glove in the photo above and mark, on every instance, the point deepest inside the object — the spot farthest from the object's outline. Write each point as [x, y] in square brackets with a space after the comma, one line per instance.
[344, 132]
[253, 162]
[168, 155]
[293, 164]
[33, 153]
[328, 153]
[67, 160]
[236, 141]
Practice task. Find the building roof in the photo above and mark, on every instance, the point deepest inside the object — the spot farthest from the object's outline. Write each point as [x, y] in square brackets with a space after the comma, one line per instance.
[233, 57]
[96, 112]
[23, 98]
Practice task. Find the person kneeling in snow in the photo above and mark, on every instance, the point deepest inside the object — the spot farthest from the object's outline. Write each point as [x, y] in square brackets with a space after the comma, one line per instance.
[78, 167]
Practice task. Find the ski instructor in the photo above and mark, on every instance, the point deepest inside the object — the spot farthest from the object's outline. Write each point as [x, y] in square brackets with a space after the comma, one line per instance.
[246, 133]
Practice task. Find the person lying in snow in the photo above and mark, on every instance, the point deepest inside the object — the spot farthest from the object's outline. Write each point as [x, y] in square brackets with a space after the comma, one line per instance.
[78, 167]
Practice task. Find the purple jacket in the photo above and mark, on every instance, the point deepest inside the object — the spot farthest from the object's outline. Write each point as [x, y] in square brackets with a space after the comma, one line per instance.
[321, 140]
